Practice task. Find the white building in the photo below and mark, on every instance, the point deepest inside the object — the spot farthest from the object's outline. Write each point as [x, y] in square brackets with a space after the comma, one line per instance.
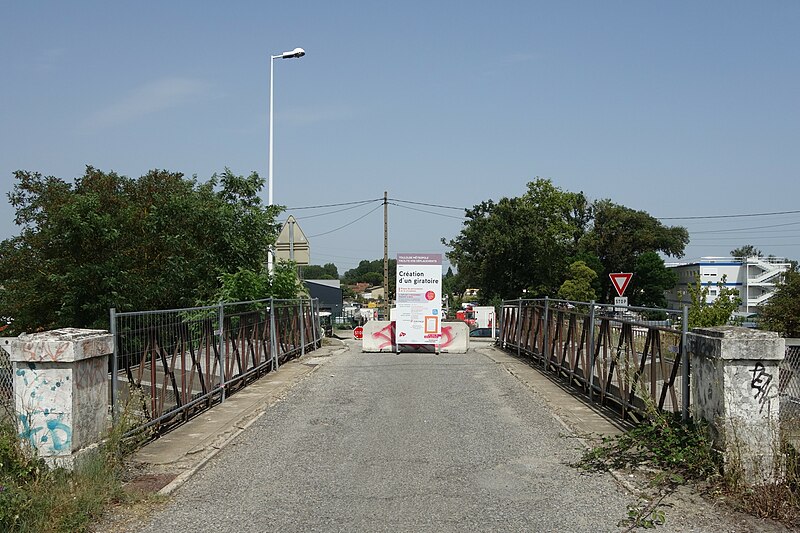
[754, 277]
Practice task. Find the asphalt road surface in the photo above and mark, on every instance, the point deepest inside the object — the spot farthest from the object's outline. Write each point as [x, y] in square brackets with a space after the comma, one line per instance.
[410, 442]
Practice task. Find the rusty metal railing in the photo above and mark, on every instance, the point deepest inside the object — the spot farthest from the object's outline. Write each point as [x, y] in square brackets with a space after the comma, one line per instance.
[620, 359]
[169, 365]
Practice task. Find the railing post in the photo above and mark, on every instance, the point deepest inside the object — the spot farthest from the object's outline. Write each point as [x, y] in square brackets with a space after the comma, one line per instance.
[114, 367]
[685, 364]
[546, 332]
[591, 350]
[302, 328]
[315, 322]
[519, 327]
[273, 345]
[223, 357]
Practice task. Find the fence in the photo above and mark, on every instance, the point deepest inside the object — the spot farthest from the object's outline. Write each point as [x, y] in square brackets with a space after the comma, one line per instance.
[617, 359]
[789, 388]
[6, 384]
[169, 365]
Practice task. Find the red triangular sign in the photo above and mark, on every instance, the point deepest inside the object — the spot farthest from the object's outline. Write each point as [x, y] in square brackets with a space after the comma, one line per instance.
[620, 281]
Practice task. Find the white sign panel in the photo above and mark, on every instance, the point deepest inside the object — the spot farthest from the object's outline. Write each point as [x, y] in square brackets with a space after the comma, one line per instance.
[620, 303]
[419, 298]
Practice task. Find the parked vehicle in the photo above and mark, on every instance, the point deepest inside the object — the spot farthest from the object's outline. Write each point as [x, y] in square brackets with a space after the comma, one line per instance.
[482, 333]
[477, 316]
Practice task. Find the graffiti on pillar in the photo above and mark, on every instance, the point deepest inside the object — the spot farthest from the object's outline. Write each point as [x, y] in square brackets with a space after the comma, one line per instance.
[44, 405]
[761, 383]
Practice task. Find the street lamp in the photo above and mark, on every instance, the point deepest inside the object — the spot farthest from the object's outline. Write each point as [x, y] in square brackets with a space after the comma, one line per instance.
[297, 52]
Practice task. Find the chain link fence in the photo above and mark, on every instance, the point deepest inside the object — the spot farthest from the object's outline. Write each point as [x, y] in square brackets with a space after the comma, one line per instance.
[789, 391]
[6, 383]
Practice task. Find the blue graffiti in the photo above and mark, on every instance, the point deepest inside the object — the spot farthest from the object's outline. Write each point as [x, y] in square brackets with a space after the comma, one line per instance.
[59, 442]
[58, 432]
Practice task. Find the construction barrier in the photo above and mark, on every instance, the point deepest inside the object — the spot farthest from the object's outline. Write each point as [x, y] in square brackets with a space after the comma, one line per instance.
[379, 336]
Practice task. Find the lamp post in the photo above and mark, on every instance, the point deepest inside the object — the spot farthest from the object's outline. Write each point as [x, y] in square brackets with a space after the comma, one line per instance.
[297, 52]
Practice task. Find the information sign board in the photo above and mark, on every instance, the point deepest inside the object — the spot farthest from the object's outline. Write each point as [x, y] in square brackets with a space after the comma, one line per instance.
[419, 298]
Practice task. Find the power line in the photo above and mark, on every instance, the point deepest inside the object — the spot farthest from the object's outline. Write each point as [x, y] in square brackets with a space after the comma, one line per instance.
[334, 205]
[330, 212]
[429, 205]
[424, 211]
[731, 216]
[349, 223]
[744, 229]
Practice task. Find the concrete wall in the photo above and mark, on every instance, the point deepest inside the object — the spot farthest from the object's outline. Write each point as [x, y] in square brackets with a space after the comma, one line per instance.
[61, 390]
[379, 336]
[735, 376]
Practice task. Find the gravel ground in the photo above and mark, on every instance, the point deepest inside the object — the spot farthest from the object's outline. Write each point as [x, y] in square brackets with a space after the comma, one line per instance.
[410, 442]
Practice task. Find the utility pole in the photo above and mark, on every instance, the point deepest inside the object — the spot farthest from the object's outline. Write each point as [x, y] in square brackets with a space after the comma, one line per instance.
[387, 303]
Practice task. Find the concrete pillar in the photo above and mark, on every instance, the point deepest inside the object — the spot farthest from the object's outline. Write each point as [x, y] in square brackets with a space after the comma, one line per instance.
[735, 389]
[61, 391]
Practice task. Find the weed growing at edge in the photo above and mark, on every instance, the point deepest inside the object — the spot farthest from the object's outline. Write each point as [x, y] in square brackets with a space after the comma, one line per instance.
[35, 498]
[682, 450]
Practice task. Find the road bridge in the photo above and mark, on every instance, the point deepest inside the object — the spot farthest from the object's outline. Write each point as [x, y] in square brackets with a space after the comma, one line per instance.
[410, 442]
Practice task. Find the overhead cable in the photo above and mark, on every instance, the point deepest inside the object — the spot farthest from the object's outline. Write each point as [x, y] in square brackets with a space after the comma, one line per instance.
[424, 211]
[349, 223]
[429, 205]
[733, 230]
[731, 216]
[334, 205]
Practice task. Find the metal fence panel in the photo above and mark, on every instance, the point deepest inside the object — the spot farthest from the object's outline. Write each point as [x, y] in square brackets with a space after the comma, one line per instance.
[622, 360]
[169, 365]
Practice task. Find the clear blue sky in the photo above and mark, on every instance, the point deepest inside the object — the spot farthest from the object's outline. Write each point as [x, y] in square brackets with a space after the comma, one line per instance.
[676, 108]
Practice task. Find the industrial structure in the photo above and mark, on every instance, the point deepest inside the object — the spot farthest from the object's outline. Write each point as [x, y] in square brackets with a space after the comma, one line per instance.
[754, 277]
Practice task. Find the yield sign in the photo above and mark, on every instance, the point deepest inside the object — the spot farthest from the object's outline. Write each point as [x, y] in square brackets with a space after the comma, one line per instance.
[620, 281]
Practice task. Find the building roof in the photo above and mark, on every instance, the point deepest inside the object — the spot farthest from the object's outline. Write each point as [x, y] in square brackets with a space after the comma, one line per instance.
[334, 283]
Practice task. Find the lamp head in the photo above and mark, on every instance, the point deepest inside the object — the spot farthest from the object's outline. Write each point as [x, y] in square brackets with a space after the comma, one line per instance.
[297, 52]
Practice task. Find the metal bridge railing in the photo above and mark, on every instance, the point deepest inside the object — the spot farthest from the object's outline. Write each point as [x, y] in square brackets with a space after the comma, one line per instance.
[169, 365]
[619, 359]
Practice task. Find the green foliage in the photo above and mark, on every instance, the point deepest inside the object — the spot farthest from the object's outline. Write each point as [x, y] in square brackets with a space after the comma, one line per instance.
[159, 241]
[246, 285]
[643, 515]
[327, 271]
[520, 243]
[578, 286]
[665, 442]
[452, 287]
[527, 243]
[748, 250]
[35, 498]
[781, 313]
[372, 272]
[650, 279]
[620, 235]
[717, 313]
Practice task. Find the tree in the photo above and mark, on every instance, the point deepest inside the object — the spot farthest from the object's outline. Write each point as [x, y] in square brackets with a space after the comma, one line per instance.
[159, 241]
[372, 272]
[781, 312]
[452, 288]
[327, 271]
[717, 313]
[748, 250]
[651, 278]
[578, 285]
[619, 235]
[520, 243]
[246, 285]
